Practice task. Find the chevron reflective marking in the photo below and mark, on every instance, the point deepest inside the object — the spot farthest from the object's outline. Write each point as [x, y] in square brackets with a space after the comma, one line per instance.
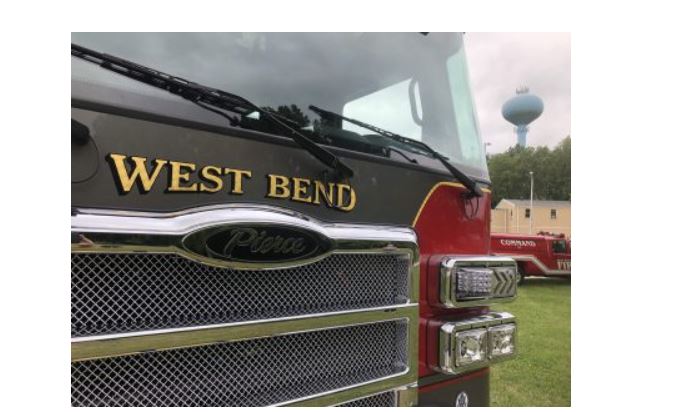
[503, 283]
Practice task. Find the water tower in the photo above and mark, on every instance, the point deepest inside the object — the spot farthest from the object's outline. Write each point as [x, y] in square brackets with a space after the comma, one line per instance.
[521, 110]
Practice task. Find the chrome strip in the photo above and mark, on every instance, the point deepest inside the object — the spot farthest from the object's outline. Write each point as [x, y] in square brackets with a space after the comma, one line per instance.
[183, 222]
[404, 396]
[225, 325]
[87, 350]
[119, 232]
[447, 280]
[447, 341]
[353, 390]
[128, 344]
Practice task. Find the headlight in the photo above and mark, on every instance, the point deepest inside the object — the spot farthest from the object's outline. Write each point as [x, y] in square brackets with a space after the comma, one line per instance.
[502, 340]
[476, 280]
[471, 347]
[473, 283]
[477, 342]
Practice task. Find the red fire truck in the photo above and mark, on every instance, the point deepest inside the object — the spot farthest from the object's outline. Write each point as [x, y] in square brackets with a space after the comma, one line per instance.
[273, 219]
[543, 254]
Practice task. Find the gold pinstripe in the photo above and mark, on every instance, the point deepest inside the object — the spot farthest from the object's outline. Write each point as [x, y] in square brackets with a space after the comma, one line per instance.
[429, 194]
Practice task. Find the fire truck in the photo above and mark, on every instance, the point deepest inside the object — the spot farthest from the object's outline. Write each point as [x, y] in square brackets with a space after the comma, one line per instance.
[264, 219]
[544, 254]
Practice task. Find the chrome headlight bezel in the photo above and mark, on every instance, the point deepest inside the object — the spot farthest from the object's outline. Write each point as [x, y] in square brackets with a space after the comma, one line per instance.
[448, 332]
[501, 273]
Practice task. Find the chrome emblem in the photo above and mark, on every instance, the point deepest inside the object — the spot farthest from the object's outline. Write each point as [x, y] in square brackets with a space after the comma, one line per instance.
[462, 400]
[256, 243]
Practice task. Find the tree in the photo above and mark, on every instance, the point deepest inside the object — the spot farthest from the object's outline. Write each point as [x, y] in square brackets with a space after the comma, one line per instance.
[551, 169]
[294, 113]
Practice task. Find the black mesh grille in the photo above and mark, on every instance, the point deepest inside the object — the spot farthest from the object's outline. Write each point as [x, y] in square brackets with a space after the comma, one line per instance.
[114, 293]
[256, 372]
[380, 400]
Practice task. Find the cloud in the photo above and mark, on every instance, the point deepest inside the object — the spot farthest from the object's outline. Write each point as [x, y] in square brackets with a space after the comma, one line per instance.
[501, 62]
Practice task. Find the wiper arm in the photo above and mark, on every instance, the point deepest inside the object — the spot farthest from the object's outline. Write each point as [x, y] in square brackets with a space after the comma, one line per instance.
[460, 176]
[209, 99]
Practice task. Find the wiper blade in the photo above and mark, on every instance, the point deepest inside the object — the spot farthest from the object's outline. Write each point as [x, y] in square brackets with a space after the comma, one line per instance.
[468, 182]
[208, 98]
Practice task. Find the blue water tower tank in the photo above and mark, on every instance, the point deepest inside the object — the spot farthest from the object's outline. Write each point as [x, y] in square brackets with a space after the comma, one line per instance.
[521, 110]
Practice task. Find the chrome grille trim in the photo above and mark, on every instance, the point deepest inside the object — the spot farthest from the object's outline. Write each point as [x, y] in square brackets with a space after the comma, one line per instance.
[252, 372]
[403, 396]
[129, 343]
[104, 230]
[185, 221]
[114, 232]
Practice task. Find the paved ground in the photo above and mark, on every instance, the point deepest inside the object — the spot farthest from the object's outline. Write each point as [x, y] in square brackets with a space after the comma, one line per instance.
[541, 374]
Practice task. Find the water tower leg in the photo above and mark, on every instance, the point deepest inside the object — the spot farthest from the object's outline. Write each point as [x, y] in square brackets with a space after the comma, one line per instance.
[521, 132]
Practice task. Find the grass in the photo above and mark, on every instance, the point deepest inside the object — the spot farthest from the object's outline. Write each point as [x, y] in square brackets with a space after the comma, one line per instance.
[541, 373]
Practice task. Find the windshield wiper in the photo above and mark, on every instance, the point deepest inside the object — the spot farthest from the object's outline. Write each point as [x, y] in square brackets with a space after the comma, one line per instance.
[468, 182]
[210, 99]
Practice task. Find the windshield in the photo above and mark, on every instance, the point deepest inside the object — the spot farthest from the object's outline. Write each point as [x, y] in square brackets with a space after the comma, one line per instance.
[412, 84]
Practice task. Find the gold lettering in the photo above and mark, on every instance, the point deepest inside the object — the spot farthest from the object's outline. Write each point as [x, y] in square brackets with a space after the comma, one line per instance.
[353, 198]
[177, 177]
[274, 186]
[131, 170]
[300, 187]
[237, 179]
[320, 188]
[139, 172]
[214, 177]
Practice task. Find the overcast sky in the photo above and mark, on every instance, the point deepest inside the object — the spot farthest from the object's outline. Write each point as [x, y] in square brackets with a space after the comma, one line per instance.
[501, 62]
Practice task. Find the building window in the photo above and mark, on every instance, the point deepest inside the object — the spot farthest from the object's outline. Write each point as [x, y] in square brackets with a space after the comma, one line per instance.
[553, 213]
[527, 212]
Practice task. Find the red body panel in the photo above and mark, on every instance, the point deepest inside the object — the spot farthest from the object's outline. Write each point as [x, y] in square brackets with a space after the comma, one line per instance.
[454, 381]
[534, 254]
[446, 225]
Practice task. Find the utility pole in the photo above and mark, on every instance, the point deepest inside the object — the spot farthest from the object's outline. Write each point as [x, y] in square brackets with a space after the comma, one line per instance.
[531, 204]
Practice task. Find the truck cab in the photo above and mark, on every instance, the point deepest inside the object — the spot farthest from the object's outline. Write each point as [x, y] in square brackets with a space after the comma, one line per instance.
[543, 254]
[267, 219]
